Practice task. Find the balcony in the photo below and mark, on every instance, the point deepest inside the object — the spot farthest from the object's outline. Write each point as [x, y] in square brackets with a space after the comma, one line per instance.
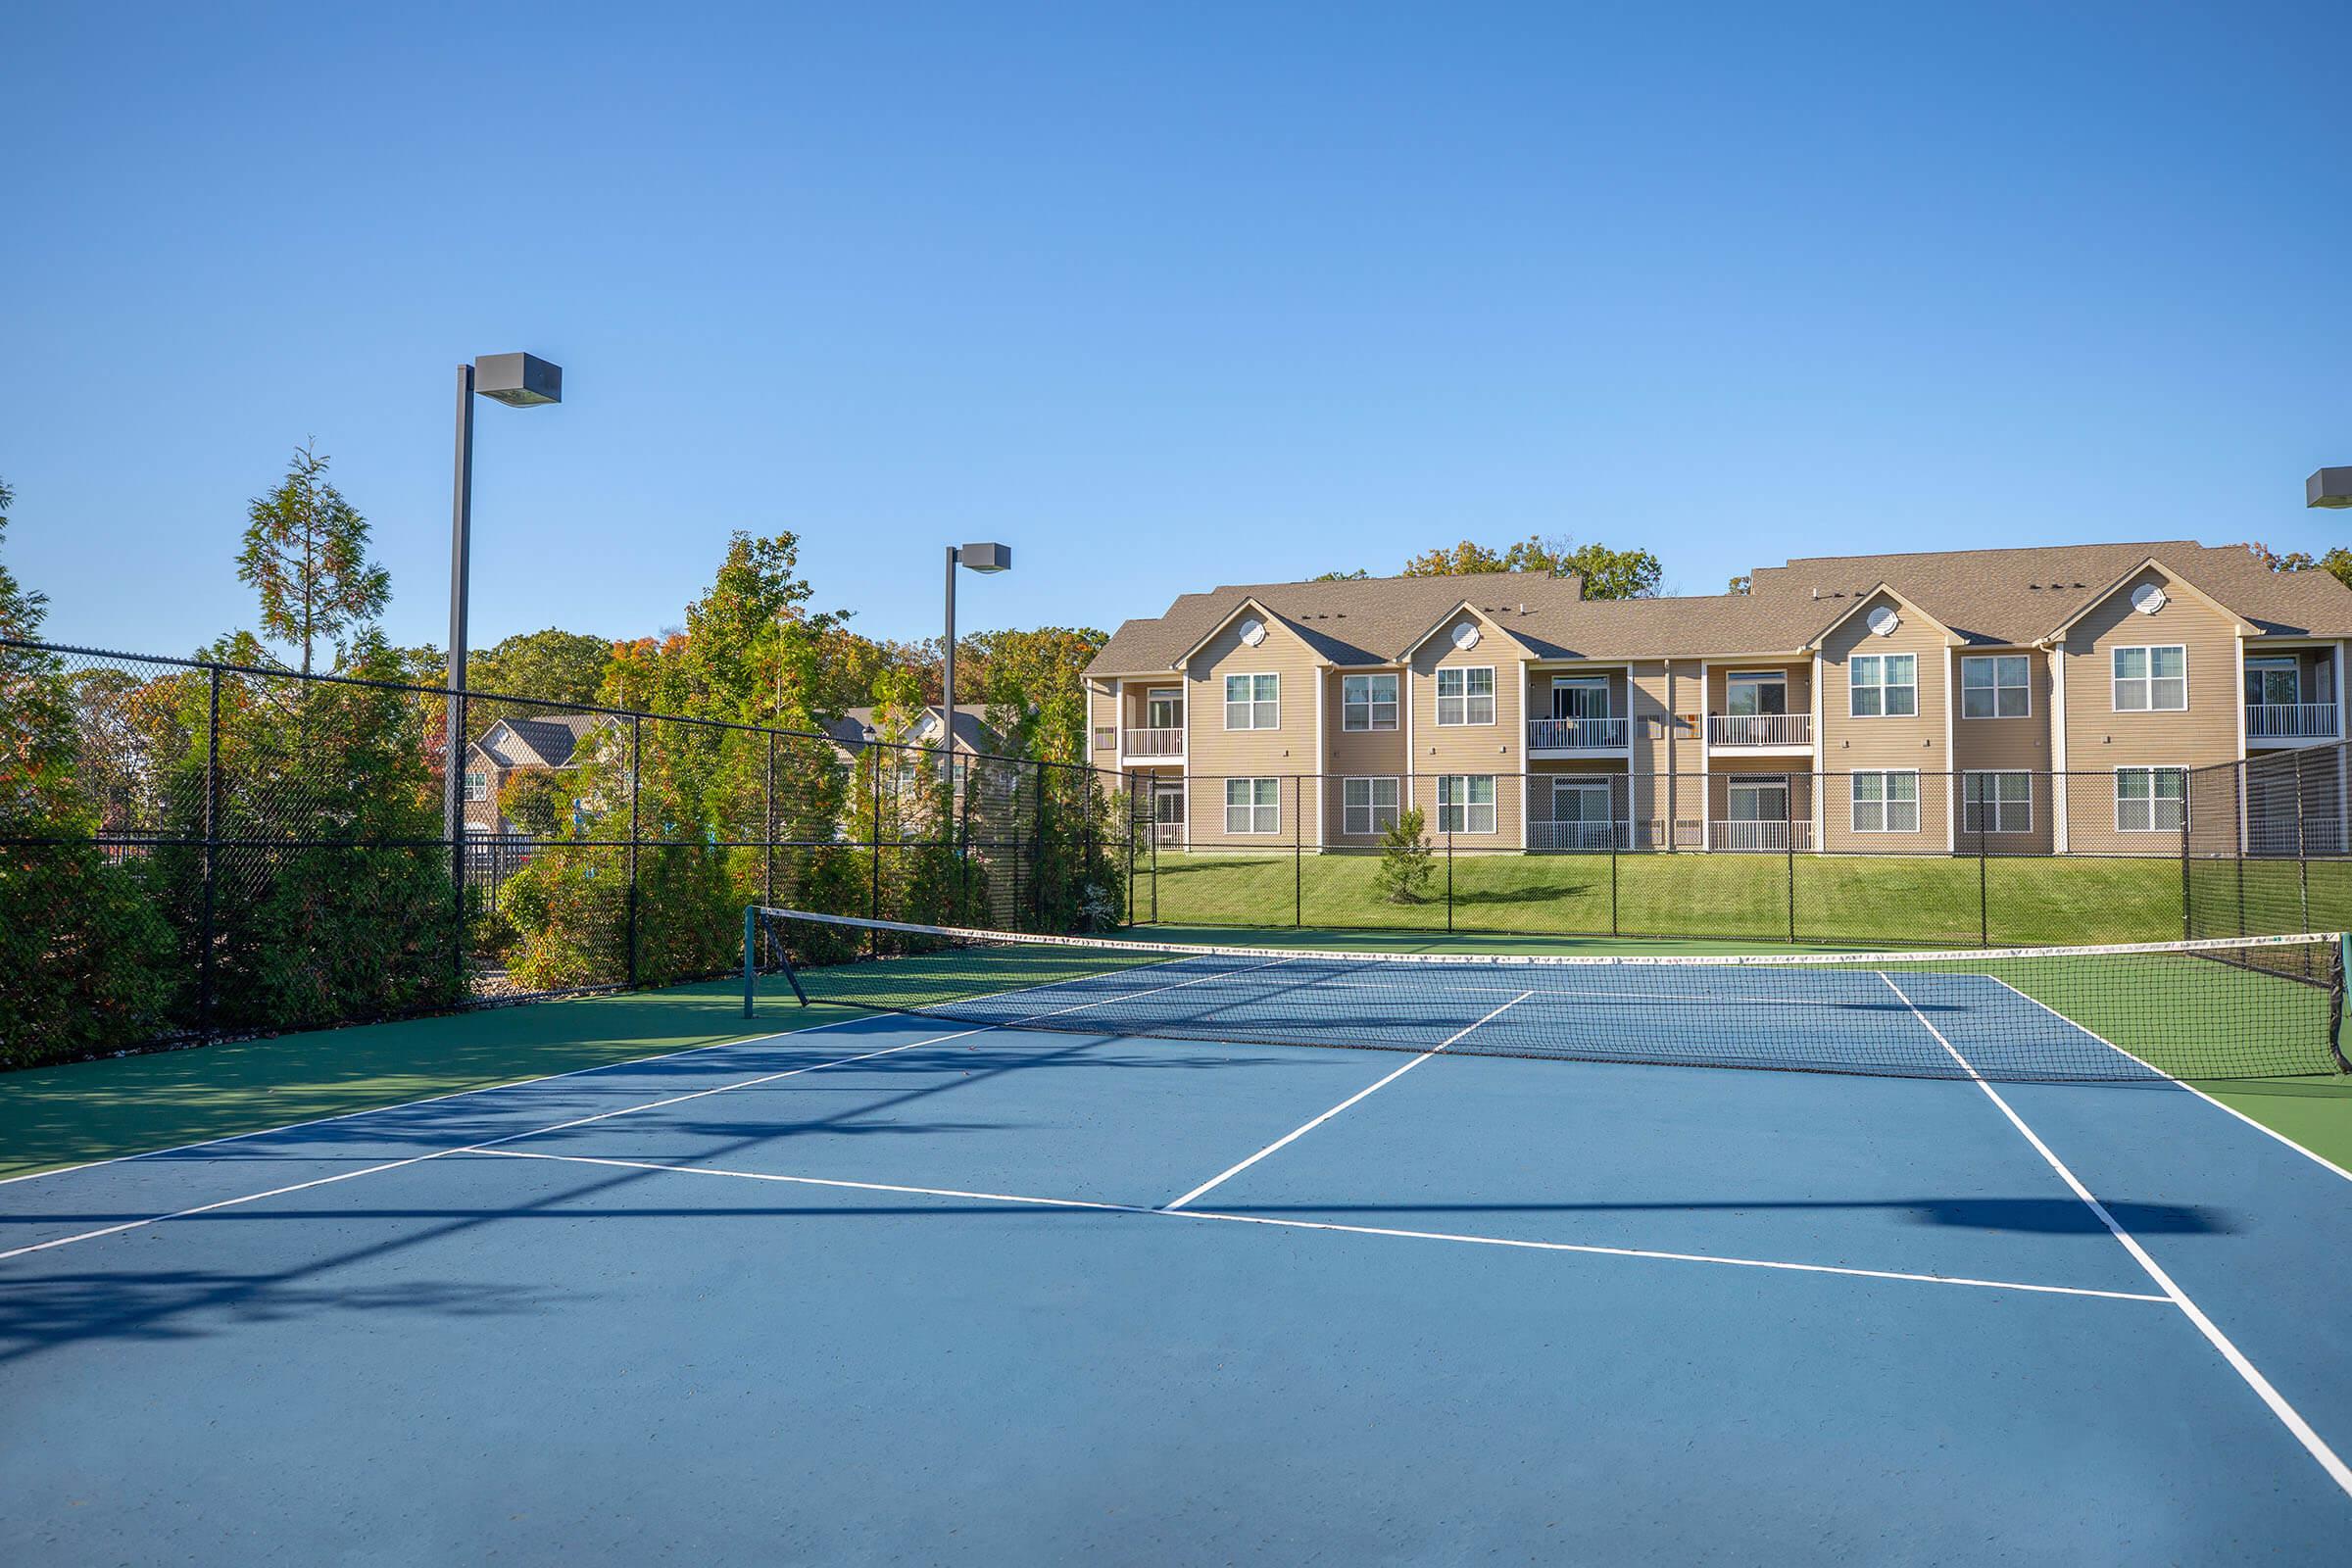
[1761, 838]
[1153, 743]
[1574, 835]
[1578, 734]
[2290, 721]
[1727, 733]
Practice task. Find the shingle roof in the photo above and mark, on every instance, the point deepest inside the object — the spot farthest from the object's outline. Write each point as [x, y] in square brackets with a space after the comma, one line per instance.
[2018, 596]
[971, 729]
[548, 741]
[1985, 596]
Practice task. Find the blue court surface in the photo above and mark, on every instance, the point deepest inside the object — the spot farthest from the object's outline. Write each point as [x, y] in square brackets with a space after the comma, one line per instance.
[895, 1288]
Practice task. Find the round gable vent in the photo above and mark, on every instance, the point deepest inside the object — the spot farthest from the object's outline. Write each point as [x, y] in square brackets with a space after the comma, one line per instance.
[1882, 621]
[1254, 631]
[2147, 599]
[1465, 635]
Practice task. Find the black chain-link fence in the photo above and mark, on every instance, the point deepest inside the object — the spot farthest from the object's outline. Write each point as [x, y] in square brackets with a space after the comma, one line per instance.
[192, 850]
[1859, 856]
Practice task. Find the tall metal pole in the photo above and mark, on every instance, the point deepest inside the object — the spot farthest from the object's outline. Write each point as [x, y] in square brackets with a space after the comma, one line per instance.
[461, 530]
[947, 688]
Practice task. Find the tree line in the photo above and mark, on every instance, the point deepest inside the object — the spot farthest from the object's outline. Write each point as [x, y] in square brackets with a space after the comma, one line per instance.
[196, 852]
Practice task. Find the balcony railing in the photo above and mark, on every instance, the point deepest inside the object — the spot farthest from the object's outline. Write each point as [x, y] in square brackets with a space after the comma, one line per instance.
[1760, 729]
[1155, 743]
[1577, 734]
[1574, 835]
[1776, 838]
[2290, 721]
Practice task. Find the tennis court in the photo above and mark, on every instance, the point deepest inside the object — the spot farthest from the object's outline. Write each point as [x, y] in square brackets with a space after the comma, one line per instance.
[1014, 1252]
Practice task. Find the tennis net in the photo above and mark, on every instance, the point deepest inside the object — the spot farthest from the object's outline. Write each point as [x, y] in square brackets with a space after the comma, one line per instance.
[2254, 1007]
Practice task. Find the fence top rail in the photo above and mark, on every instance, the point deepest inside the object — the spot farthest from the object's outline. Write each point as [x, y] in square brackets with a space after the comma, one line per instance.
[471, 695]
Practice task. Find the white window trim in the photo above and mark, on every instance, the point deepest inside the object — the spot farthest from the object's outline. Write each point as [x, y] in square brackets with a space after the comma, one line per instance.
[1491, 695]
[477, 786]
[2024, 773]
[2115, 682]
[1252, 806]
[1755, 677]
[1371, 807]
[1882, 686]
[1252, 677]
[1608, 699]
[1469, 827]
[1885, 801]
[2151, 769]
[1395, 702]
[1994, 660]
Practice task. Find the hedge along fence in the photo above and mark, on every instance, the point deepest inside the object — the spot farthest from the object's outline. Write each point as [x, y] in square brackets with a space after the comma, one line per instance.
[194, 851]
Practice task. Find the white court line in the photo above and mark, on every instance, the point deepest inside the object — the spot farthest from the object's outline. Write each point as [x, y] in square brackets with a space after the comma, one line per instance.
[2311, 1154]
[582, 1122]
[1094, 1205]
[1296, 1132]
[2288, 1416]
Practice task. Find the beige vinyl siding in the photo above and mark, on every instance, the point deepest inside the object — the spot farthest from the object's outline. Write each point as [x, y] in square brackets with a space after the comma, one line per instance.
[1214, 754]
[2099, 739]
[1666, 703]
[1362, 754]
[1905, 743]
[1101, 713]
[1471, 749]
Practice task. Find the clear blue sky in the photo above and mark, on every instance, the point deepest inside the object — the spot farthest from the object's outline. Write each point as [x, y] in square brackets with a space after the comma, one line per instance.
[1164, 295]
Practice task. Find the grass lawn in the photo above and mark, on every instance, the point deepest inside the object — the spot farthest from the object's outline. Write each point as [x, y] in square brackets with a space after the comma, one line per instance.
[1862, 901]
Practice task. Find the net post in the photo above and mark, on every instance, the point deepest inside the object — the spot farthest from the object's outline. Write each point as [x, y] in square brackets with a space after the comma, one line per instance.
[751, 970]
[2335, 1002]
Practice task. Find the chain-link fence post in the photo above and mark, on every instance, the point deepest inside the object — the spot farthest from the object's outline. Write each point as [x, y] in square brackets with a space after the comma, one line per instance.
[211, 854]
[767, 828]
[636, 792]
[1298, 851]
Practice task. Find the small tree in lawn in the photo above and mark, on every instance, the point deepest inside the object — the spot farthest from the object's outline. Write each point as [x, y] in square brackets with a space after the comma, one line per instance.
[1406, 863]
[305, 550]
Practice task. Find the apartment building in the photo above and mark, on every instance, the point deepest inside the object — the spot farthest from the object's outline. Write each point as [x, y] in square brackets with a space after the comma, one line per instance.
[2028, 701]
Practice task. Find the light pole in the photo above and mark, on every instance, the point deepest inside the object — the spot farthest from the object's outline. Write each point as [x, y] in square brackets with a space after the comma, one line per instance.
[521, 381]
[2328, 487]
[972, 558]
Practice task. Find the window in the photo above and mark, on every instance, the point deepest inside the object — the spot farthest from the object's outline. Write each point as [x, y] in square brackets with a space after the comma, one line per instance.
[1763, 798]
[2274, 681]
[2151, 679]
[1750, 693]
[1887, 802]
[1580, 800]
[1882, 685]
[1367, 804]
[1367, 702]
[2150, 800]
[1254, 805]
[478, 785]
[1996, 687]
[1466, 802]
[1579, 697]
[1164, 708]
[1996, 802]
[1466, 696]
[1105, 737]
[1253, 702]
